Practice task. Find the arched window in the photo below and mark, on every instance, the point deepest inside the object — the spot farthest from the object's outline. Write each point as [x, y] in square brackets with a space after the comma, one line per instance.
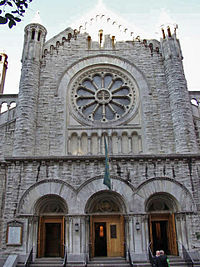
[194, 102]
[33, 34]
[39, 35]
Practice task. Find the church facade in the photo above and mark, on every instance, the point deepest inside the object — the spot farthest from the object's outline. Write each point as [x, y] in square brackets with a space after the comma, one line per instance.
[74, 93]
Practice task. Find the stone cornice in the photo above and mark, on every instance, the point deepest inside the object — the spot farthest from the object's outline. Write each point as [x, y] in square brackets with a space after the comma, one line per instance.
[102, 157]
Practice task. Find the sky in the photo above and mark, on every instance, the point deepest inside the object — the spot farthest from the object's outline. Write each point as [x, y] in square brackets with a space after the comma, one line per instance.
[143, 17]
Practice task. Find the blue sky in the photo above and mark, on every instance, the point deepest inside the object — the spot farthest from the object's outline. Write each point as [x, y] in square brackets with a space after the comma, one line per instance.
[145, 14]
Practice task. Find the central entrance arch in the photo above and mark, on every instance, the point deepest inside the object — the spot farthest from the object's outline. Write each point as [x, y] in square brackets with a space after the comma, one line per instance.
[106, 211]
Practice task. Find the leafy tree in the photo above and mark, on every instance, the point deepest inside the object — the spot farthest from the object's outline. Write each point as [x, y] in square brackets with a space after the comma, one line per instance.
[12, 10]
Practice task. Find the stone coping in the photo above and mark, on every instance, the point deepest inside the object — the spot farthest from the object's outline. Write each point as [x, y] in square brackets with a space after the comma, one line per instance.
[102, 157]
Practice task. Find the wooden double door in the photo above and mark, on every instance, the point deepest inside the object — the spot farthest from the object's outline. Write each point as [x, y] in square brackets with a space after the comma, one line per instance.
[107, 236]
[163, 233]
[51, 236]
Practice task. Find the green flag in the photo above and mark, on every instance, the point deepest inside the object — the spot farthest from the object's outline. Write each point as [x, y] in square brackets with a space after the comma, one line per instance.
[106, 179]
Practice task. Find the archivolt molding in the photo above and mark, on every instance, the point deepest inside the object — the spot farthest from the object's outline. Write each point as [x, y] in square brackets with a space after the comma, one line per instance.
[181, 194]
[96, 60]
[42, 188]
[101, 178]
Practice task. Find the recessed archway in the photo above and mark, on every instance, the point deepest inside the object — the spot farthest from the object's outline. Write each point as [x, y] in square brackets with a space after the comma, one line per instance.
[51, 210]
[161, 208]
[161, 202]
[106, 211]
[105, 202]
[51, 205]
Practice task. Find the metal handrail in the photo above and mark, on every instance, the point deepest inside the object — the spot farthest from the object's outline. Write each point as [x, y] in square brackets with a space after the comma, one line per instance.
[86, 261]
[151, 258]
[129, 258]
[65, 256]
[29, 258]
[90, 251]
[186, 256]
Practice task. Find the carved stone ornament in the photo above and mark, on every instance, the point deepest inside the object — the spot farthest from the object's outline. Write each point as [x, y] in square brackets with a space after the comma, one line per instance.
[106, 206]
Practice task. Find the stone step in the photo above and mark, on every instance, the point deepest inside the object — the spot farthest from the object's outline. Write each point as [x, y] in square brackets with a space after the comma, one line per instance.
[175, 261]
[108, 262]
[75, 264]
[111, 264]
[45, 262]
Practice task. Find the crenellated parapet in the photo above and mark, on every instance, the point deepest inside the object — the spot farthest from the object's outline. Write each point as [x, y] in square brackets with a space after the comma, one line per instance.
[71, 39]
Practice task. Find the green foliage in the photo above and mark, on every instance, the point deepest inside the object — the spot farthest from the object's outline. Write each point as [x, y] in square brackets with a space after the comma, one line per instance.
[12, 10]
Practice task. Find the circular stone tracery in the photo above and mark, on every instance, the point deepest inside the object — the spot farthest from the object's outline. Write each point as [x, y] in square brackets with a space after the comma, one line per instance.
[103, 95]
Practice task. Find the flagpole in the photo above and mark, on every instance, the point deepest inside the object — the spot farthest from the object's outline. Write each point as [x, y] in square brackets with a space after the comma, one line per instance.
[106, 180]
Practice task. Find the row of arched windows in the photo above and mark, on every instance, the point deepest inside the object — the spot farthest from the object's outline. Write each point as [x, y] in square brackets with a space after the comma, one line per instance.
[5, 106]
[94, 145]
[35, 35]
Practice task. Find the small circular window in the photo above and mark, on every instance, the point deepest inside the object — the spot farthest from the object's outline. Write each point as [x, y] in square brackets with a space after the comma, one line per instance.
[103, 95]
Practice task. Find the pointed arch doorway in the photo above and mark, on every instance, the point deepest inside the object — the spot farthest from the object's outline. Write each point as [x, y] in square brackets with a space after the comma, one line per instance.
[51, 227]
[106, 225]
[162, 228]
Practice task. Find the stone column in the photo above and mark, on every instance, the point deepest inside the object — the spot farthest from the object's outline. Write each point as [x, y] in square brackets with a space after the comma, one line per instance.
[138, 231]
[89, 145]
[79, 145]
[77, 239]
[70, 244]
[119, 144]
[131, 234]
[99, 144]
[35, 236]
[69, 146]
[130, 149]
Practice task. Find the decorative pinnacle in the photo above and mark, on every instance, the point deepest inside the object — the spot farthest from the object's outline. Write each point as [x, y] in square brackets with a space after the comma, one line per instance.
[36, 18]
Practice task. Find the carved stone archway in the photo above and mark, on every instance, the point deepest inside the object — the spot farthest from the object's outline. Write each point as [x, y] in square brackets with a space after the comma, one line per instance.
[105, 202]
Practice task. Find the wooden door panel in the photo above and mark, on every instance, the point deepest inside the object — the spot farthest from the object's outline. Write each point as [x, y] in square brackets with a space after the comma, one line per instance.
[172, 234]
[151, 232]
[42, 233]
[62, 238]
[114, 234]
[171, 230]
[113, 239]
[91, 244]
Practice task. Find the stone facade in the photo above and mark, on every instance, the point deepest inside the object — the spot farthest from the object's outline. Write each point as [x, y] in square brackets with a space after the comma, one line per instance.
[72, 93]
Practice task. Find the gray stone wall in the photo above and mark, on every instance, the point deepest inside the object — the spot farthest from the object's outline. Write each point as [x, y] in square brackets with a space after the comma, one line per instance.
[76, 178]
[52, 107]
[6, 139]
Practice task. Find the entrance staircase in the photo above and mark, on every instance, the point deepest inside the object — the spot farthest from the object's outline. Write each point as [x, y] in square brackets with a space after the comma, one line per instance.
[175, 261]
[94, 262]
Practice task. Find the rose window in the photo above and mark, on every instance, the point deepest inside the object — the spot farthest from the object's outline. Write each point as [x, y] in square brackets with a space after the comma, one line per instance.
[102, 96]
